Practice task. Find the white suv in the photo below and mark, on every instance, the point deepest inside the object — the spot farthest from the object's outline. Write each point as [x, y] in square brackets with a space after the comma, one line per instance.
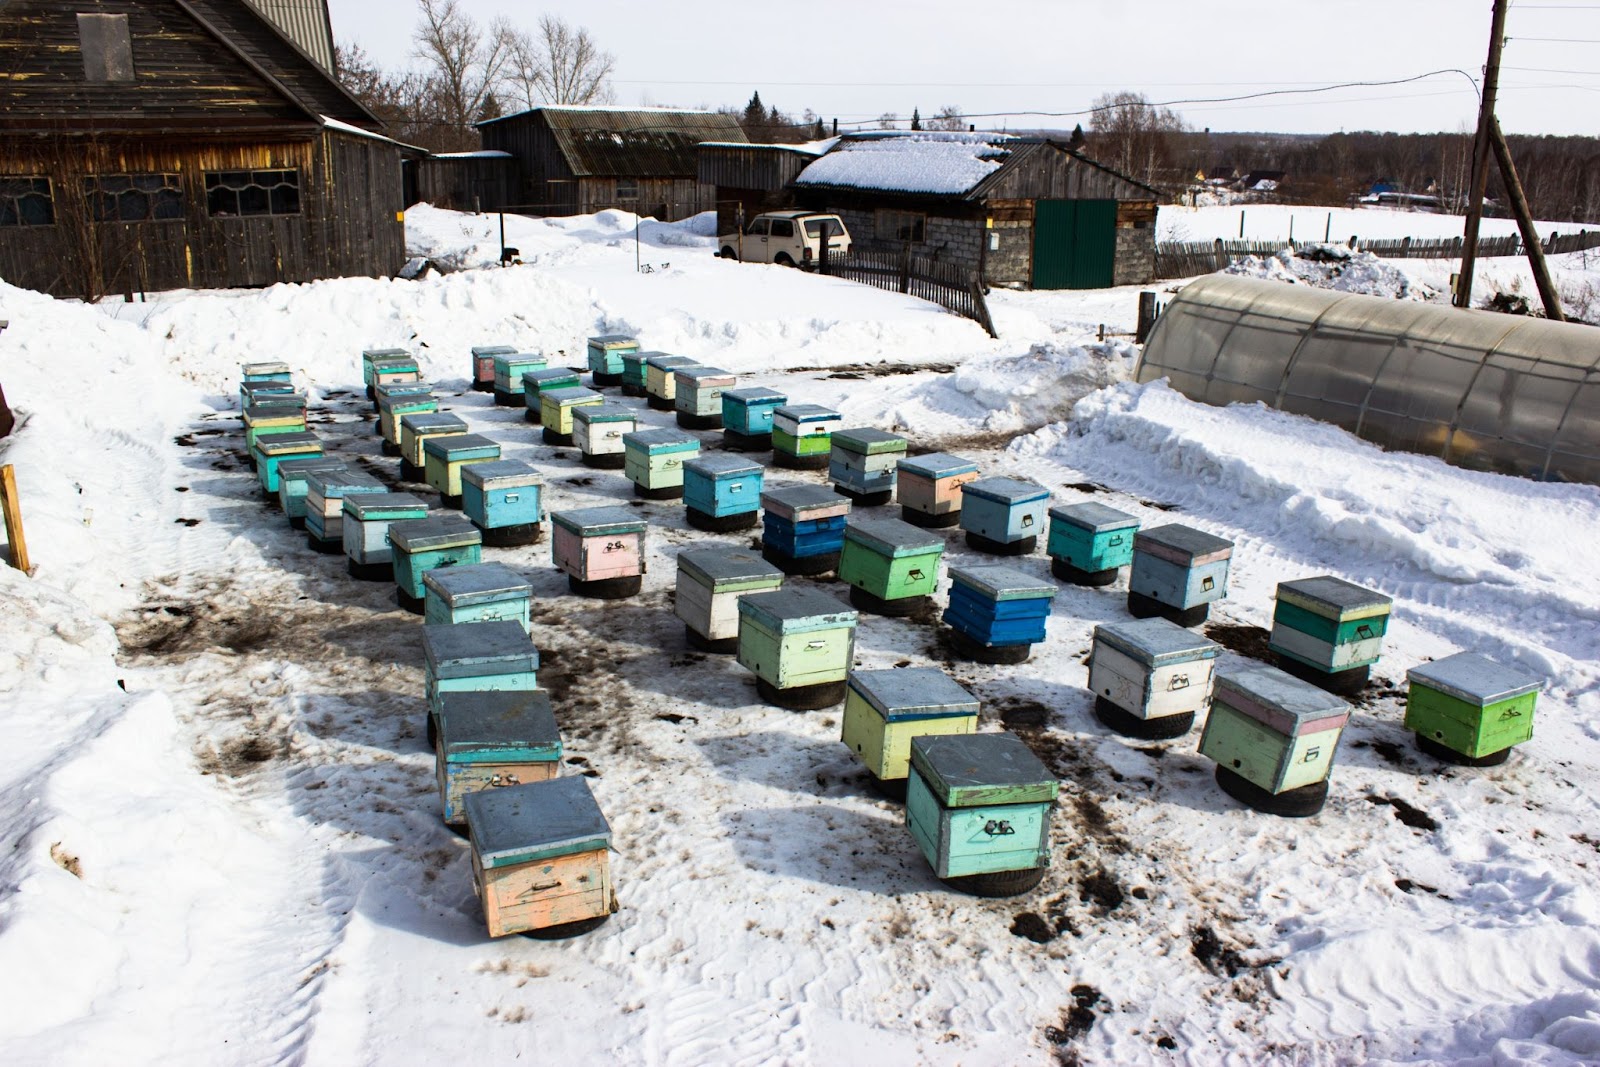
[788, 238]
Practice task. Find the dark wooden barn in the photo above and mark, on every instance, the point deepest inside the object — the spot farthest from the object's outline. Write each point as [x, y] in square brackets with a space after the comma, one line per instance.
[748, 179]
[578, 160]
[158, 144]
[462, 181]
[1024, 212]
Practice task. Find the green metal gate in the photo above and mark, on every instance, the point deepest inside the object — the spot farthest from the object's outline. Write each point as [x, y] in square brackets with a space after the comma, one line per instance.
[1074, 243]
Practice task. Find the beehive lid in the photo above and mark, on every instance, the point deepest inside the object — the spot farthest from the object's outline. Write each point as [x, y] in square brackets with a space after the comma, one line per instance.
[1334, 598]
[394, 389]
[665, 360]
[335, 483]
[284, 444]
[787, 611]
[1096, 518]
[723, 465]
[913, 693]
[476, 583]
[892, 538]
[725, 565]
[433, 422]
[479, 351]
[416, 403]
[593, 413]
[613, 340]
[937, 465]
[797, 500]
[866, 441]
[634, 359]
[500, 474]
[498, 727]
[299, 469]
[427, 535]
[550, 378]
[1475, 679]
[976, 770]
[1279, 700]
[461, 446]
[374, 506]
[698, 374]
[807, 412]
[473, 649]
[371, 354]
[1156, 642]
[1008, 491]
[661, 440]
[755, 394]
[257, 414]
[269, 394]
[511, 358]
[252, 370]
[391, 364]
[1183, 545]
[996, 581]
[538, 820]
[571, 396]
[600, 522]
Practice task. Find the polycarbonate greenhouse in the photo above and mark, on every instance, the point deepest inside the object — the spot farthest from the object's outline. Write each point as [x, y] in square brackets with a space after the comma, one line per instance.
[1480, 389]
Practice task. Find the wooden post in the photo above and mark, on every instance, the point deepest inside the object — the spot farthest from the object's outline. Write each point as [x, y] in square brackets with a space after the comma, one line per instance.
[1530, 236]
[13, 516]
[1222, 255]
[1480, 157]
[1147, 316]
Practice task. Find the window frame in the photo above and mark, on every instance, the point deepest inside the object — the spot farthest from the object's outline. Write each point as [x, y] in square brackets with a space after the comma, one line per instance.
[218, 181]
[15, 199]
[773, 229]
[93, 194]
[892, 224]
[630, 183]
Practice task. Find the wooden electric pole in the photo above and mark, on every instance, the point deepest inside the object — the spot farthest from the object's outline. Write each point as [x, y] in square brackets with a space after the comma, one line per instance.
[1530, 235]
[1480, 158]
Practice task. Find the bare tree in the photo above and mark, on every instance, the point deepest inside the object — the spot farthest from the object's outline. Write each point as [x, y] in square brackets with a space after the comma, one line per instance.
[464, 62]
[1132, 135]
[888, 120]
[948, 117]
[560, 64]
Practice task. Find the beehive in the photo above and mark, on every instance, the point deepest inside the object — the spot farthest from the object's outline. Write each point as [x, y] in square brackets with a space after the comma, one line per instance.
[415, 430]
[598, 430]
[1150, 678]
[634, 373]
[891, 566]
[1003, 516]
[802, 435]
[292, 475]
[393, 408]
[325, 493]
[391, 371]
[862, 464]
[802, 529]
[600, 550]
[722, 492]
[509, 370]
[997, 613]
[697, 396]
[605, 357]
[273, 374]
[423, 545]
[1329, 631]
[365, 524]
[474, 657]
[710, 583]
[493, 740]
[556, 407]
[1468, 709]
[278, 448]
[1178, 572]
[978, 806]
[374, 355]
[536, 382]
[929, 488]
[446, 457]
[660, 385]
[799, 643]
[1273, 738]
[270, 395]
[540, 860]
[479, 592]
[1089, 542]
[747, 417]
[504, 499]
[884, 710]
[653, 461]
[483, 365]
[262, 422]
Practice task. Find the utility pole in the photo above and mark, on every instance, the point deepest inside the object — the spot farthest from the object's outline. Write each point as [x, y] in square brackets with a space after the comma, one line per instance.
[1530, 236]
[1480, 157]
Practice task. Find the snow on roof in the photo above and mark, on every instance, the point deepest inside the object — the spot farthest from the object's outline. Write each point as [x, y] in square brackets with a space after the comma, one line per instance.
[357, 131]
[808, 148]
[488, 153]
[922, 162]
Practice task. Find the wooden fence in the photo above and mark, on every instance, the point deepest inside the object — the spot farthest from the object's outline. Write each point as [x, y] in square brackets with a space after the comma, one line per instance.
[1185, 259]
[950, 286]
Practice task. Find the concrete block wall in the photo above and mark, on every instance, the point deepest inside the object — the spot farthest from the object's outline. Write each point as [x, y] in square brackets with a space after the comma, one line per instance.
[1135, 262]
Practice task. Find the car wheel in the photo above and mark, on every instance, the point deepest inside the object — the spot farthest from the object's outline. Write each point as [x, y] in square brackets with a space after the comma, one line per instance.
[784, 260]
[729, 253]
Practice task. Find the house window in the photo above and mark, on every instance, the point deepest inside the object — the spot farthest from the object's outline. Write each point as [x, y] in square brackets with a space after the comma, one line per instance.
[901, 226]
[107, 49]
[134, 197]
[235, 193]
[627, 188]
[26, 202]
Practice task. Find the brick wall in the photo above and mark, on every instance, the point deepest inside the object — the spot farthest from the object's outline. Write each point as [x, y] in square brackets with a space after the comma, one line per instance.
[1135, 262]
[1010, 264]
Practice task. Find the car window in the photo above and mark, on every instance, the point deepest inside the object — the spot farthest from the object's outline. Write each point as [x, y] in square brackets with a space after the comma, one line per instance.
[783, 227]
[756, 227]
[816, 227]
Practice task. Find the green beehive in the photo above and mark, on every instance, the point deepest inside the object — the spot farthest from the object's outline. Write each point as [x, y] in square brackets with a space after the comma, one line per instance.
[890, 566]
[1273, 738]
[1470, 710]
[1329, 631]
[799, 643]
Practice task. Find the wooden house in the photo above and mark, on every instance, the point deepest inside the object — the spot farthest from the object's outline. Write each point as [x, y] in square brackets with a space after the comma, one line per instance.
[578, 160]
[156, 144]
[1024, 212]
[751, 178]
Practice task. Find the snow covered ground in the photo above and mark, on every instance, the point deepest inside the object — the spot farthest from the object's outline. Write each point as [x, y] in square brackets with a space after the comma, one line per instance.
[222, 837]
[1271, 222]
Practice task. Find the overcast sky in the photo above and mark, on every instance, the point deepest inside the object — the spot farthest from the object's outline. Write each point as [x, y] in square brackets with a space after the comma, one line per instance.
[856, 59]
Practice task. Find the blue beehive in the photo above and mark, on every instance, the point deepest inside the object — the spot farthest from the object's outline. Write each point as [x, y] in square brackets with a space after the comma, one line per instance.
[802, 528]
[509, 368]
[325, 493]
[493, 740]
[254, 394]
[722, 492]
[477, 592]
[1177, 572]
[997, 612]
[292, 475]
[475, 657]
[504, 499]
[1003, 516]
[747, 418]
[1089, 542]
[366, 520]
[605, 357]
[278, 448]
[377, 355]
[424, 545]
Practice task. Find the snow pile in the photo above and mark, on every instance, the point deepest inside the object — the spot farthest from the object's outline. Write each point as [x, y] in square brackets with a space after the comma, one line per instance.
[945, 164]
[1220, 218]
[1332, 267]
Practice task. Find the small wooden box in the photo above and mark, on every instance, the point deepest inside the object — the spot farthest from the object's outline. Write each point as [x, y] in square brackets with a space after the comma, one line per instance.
[979, 804]
[654, 459]
[393, 408]
[658, 378]
[863, 461]
[698, 391]
[540, 858]
[634, 373]
[446, 457]
[805, 431]
[1179, 567]
[1272, 729]
[366, 521]
[1004, 511]
[509, 370]
[606, 351]
[557, 405]
[274, 371]
[1329, 624]
[415, 430]
[423, 545]
[1471, 705]
[1152, 668]
[392, 371]
[493, 740]
[264, 422]
[710, 583]
[597, 544]
[503, 495]
[884, 710]
[889, 559]
[270, 395]
[930, 485]
[996, 606]
[796, 637]
[721, 485]
[535, 383]
[408, 388]
[292, 475]
[1090, 540]
[748, 411]
[475, 657]
[483, 365]
[325, 493]
[374, 355]
[803, 521]
[598, 429]
[274, 449]
[481, 592]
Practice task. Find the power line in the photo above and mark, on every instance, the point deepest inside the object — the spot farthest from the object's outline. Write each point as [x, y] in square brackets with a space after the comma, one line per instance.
[1557, 40]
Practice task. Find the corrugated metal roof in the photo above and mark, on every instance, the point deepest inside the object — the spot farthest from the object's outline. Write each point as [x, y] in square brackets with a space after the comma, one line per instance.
[305, 22]
[640, 143]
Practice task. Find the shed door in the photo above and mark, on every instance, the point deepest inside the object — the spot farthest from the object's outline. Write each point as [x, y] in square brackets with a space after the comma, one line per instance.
[1074, 243]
